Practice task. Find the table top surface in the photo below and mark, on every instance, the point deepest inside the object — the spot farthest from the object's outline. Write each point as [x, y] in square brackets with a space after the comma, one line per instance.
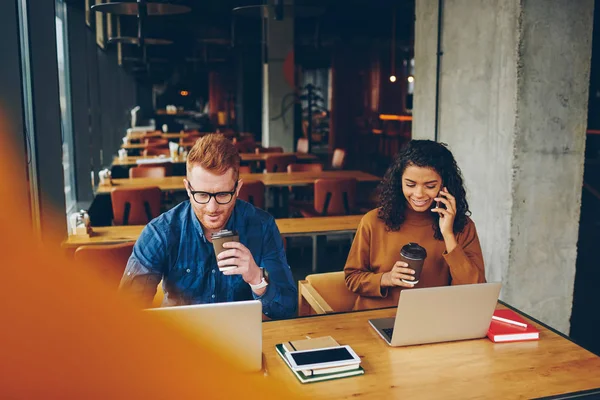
[142, 146]
[269, 179]
[287, 226]
[132, 160]
[471, 369]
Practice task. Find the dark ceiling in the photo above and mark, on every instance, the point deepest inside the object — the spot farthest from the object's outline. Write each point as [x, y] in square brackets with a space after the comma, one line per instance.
[211, 34]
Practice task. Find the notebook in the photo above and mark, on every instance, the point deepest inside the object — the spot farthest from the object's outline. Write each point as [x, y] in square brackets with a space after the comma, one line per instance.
[305, 378]
[317, 343]
[500, 331]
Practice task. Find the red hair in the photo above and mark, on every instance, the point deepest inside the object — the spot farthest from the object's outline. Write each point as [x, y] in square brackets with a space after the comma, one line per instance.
[215, 153]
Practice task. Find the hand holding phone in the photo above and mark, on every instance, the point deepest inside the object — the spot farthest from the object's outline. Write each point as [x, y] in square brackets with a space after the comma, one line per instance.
[446, 208]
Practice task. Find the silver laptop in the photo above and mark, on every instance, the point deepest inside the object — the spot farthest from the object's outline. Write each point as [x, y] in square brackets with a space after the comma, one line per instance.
[234, 327]
[440, 314]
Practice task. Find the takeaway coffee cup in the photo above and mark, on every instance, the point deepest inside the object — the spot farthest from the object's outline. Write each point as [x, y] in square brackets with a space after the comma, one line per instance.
[414, 255]
[221, 237]
[105, 177]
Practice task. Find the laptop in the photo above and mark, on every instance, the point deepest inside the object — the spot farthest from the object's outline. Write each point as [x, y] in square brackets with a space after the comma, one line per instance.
[235, 327]
[440, 314]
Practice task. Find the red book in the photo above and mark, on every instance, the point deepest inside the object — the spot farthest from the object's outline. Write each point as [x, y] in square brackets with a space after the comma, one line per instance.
[500, 331]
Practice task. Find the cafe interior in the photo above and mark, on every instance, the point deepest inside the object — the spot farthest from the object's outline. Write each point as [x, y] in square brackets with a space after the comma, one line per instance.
[104, 101]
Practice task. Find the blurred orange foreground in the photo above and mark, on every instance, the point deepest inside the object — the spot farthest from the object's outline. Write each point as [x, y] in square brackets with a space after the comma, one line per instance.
[64, 334]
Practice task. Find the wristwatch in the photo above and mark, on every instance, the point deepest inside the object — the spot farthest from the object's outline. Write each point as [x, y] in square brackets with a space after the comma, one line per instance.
[263, 282]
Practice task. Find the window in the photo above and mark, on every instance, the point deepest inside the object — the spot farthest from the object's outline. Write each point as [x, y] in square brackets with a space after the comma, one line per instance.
[68, 156]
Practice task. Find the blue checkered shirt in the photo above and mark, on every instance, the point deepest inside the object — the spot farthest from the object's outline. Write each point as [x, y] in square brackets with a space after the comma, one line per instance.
[174, 249]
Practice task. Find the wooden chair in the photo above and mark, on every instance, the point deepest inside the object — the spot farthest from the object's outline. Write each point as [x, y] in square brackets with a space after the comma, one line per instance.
[153, 171]
[338, 160]
[253, 193]
[156, 151]
[159, 296]
[245, 145]
[109, 261]
[166, 165]
[278, 162]
[135, 206]
[332, 197]
[305, 167]
[245, 169]
[324, 293]
[151, 141]
[301, 194]
[302, 145]
[260, 150]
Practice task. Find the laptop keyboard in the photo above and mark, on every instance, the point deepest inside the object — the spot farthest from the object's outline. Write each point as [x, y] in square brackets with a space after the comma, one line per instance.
[389, 332]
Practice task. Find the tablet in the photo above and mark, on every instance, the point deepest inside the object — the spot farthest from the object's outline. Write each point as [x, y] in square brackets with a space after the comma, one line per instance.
[322, 358]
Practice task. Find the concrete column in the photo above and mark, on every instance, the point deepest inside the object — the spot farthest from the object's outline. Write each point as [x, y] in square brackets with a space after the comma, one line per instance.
[280, 42]
[513, 108]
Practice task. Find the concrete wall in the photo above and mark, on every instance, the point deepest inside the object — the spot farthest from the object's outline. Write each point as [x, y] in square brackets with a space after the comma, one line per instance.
[512, 107]
[552, 99]
[477, 112]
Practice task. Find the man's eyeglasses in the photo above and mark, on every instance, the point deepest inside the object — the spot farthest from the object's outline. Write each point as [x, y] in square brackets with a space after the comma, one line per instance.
[220, 197]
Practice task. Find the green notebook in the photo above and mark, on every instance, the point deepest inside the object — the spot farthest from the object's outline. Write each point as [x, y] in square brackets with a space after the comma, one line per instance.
[317, 378]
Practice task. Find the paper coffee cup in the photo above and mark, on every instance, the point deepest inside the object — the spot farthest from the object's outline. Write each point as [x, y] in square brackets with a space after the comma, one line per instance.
[414, 255]
[221, 237]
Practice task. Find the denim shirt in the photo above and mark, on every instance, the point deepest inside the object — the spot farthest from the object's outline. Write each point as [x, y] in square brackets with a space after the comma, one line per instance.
[173, 247]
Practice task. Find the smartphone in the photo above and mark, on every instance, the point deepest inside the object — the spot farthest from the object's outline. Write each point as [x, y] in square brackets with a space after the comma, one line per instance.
[322, 358]
[439, 204]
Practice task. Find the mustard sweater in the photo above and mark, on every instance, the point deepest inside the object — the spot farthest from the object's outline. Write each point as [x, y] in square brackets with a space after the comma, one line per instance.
[375, 251]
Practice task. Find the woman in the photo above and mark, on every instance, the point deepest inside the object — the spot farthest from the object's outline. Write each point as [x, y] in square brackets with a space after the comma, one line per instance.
[421, 200]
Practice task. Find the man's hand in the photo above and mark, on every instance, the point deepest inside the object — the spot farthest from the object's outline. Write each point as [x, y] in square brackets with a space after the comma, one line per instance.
[239, 255]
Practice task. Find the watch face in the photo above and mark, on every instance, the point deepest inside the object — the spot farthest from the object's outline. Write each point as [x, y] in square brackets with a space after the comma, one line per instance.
[265, 274]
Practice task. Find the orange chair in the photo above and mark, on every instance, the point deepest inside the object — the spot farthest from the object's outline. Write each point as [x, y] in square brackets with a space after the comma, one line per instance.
[302, 192]
[148, 172]
[254, 193]
[278, 162]
[156, 151]
[156, 142]
[302, 145]
[339, 159]
[262, 150]
[332, 197]
[166, 165]
[247, 145]
[109, 260]
[135, 206]
[245, 169]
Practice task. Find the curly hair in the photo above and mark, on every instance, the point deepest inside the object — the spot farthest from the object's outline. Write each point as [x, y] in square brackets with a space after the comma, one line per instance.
[428, 154]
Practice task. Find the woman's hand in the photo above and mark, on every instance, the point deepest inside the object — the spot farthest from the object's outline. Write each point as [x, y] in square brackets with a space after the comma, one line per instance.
[447, 216]
[399, 271]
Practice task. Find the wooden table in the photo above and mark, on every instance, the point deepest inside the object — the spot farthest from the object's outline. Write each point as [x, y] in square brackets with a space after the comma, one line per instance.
[288, 227]
[143, 146]
[131, 161]
[273, 179]
[246, 157]
[472, 369]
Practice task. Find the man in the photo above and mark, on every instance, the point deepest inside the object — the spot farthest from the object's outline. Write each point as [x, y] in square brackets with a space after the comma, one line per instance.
[177, 246]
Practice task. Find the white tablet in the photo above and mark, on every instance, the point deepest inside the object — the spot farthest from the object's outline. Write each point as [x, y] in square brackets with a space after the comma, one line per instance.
[322, 358]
